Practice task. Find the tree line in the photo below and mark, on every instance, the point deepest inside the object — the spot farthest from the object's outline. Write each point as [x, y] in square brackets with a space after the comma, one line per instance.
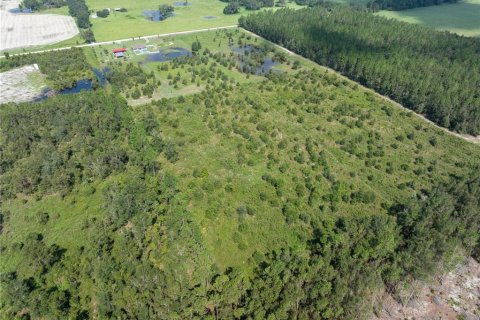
[35, 5]
[397, 5]
[79, 10]
[433, 73]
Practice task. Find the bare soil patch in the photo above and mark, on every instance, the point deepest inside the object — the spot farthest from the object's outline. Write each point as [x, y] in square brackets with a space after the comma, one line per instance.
[22, 84]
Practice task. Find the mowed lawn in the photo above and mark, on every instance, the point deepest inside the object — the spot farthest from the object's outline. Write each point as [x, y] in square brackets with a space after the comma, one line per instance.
[462, 18]
[199, 14]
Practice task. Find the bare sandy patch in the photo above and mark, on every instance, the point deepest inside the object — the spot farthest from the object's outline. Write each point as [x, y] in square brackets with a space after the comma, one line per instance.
[21, 30]
[21, 84]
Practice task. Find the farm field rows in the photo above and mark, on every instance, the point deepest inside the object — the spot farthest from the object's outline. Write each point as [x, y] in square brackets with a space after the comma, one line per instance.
[29, 30]
[462, 18]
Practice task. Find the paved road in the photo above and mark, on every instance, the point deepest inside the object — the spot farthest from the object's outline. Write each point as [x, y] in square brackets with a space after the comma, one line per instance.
[93, 44]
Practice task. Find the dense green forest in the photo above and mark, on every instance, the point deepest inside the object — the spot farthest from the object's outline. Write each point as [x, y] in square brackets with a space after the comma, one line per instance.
[79, 11]
[404, 4]
[321, 192]
[433, 73]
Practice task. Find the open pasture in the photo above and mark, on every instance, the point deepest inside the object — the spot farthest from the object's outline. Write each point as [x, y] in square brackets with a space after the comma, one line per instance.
[198, 14]
[20, 30]
[462, 18]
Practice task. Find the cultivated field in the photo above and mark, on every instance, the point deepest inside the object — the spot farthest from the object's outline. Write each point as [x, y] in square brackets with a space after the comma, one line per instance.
[19, 30]
[21, 84]
[198, 14]
[462, 18]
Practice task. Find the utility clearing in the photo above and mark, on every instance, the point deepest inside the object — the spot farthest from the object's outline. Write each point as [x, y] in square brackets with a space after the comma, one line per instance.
[21, 30]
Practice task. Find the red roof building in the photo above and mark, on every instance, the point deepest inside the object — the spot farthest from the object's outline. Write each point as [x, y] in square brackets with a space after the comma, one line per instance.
[119, 50]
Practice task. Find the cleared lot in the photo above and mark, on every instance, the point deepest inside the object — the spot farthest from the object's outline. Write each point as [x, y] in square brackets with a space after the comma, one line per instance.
[20, 30]
[22, 84]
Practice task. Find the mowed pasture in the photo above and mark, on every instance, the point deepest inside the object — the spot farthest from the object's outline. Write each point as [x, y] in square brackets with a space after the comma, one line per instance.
[27, 30]
[198, 14]
[462, 18]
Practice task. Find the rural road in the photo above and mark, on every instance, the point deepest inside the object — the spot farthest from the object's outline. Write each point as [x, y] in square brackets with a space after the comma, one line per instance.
[472, 139]
[93, 44]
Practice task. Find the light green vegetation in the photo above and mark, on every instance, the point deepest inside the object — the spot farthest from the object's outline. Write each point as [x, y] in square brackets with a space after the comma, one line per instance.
[462, 18]
[67, 217]
[363, 143]
[321, 137]
[133, 23]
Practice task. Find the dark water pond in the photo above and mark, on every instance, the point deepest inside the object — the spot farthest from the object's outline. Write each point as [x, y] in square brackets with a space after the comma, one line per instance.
[87, 84]
[266, 67]
[209, 17]
[182, 4]
[168, 54]
[81, 85]
[153, 15]
[101, 75]
[84, 84]
[18, 10]
[242, 50]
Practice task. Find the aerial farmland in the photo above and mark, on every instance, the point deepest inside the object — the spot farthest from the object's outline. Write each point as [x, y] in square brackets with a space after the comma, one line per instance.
[21, 30]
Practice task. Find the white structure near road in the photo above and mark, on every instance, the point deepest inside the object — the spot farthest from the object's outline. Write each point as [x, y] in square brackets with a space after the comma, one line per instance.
[21, 30]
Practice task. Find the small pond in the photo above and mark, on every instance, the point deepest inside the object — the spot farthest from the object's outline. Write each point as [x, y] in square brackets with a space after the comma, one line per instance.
[84, 84]
[209, 17]
[81, 85]
[19, 10]
[153, 15]
[182, 4]
[267, 65]
[168, 54]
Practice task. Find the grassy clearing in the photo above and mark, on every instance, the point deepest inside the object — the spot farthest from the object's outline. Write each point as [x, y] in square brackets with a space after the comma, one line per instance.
[462, 18]
[120, 25]
[65, 226]
[217, 43]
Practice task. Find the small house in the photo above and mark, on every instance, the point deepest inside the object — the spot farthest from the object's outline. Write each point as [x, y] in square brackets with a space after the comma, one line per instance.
[119, 52]
[139, 48]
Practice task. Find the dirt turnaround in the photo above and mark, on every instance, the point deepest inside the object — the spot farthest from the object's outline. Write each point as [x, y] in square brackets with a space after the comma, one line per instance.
[21, 30]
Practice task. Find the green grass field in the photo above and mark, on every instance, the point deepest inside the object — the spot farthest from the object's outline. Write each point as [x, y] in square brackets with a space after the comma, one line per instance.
[462, 18]
[133, 23]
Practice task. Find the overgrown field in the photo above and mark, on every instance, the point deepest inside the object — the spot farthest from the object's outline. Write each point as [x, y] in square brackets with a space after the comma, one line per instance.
[462, 18]
[290, 194]
[433, 73]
